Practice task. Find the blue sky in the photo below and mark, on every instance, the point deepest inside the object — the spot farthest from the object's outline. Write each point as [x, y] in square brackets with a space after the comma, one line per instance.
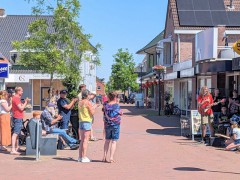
[114, 24]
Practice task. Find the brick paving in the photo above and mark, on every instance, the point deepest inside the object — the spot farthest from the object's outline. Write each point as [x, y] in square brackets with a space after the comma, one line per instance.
[150, 147]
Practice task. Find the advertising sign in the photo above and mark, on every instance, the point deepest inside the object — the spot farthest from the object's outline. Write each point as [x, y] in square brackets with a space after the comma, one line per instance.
[4, 70]
[236, 47]
[196, 123]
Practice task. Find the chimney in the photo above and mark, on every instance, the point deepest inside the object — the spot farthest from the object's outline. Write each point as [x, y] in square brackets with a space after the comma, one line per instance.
[2, 12]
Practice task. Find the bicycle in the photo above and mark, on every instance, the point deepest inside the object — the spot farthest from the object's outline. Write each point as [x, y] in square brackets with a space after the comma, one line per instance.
[176, 110]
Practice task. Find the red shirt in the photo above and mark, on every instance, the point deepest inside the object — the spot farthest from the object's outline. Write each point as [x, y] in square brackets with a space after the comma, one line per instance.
[17, 113]
[210, 101]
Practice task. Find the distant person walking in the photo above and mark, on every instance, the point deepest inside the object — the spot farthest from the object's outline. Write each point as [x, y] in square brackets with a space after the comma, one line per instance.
[5, 127]
[64, 108]
[112, 120]
[18, 113]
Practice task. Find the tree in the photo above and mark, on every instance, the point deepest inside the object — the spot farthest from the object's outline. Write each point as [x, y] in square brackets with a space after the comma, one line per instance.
[57, 45]
[123, 76]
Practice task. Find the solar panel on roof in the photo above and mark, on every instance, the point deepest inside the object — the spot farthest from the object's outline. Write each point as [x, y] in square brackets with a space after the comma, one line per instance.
[184, 4]
[201, 5]
[219, 18]
[203, 18]
[217, 5]
[187, 18]
[233, 18]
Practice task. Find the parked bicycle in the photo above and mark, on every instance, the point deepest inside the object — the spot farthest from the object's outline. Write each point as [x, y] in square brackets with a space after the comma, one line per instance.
[171, 109]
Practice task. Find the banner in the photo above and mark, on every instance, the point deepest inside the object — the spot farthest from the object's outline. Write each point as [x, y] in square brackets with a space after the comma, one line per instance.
[4, 70]
[196, 127]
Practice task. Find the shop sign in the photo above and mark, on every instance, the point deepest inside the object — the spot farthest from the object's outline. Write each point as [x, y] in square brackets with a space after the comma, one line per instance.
[4, 70]
[236, 63]
[236, 47]
[187, 73]
[173, 75]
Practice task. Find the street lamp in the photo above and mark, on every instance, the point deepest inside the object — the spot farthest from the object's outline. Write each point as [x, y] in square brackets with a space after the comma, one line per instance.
[141, 67]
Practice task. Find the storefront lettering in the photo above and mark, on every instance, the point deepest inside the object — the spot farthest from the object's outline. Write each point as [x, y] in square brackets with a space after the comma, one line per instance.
[3, 69]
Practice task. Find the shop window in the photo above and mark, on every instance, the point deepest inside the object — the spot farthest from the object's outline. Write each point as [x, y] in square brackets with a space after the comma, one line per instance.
[167, 53]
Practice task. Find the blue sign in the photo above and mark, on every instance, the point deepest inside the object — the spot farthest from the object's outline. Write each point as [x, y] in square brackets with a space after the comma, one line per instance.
[4, 70]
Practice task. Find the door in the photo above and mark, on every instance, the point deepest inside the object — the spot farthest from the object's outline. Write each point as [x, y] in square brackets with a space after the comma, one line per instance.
[44, 97]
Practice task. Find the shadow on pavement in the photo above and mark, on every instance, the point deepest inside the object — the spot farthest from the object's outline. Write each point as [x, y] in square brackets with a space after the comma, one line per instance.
[166, 131]
[25, 158]
[64, 158]
[199, 169]
[170, 124]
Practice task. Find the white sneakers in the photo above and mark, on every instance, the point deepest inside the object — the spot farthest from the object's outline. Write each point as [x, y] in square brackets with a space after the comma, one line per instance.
[84, 160]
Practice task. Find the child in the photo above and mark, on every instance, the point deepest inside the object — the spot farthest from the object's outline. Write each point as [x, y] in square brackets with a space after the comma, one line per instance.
[223, 120]
[235, 136]
[36, 116]
[112, 119]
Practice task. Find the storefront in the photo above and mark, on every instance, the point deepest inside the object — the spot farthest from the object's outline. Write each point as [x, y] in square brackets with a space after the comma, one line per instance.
[35, 86]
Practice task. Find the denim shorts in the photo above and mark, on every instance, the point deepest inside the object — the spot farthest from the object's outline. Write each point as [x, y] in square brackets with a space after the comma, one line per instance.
[17, 125]
[237, 141]
[85, 126]
[112, 132]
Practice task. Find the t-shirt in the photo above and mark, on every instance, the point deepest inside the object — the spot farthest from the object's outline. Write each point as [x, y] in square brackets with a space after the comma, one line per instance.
[2, 110]
[237, 132]
[224, 117]
[65, 113]
[80, 96]
[210, 100]
[217, 108]
[46, 118]
[17, 113]
[112, 114]
[233, 107]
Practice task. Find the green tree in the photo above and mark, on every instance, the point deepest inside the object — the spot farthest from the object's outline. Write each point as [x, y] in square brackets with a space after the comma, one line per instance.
[123, 76]
[56, 46]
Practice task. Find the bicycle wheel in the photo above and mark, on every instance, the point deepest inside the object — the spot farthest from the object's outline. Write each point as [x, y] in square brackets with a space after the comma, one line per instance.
[167, 111]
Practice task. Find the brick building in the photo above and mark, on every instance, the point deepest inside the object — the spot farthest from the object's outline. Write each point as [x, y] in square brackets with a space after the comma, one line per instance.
[100, 88]
[197, 50]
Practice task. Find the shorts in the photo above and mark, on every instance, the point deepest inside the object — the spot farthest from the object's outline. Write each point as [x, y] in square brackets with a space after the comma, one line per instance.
[237, 141]
[112, 132]
[17, 125]
[207, 119]
[87, 126]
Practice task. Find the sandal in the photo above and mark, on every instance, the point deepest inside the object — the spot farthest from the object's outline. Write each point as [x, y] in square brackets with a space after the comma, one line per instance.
[3, 148]
[14, 153]
[93, 139]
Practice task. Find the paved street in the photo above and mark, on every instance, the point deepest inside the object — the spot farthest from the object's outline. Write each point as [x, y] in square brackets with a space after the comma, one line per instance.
[150, 147]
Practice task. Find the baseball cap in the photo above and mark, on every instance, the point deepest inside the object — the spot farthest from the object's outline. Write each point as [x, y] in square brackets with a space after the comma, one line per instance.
[63, 91]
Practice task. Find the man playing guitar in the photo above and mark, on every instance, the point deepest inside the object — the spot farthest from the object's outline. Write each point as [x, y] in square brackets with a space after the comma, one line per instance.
[205, 101]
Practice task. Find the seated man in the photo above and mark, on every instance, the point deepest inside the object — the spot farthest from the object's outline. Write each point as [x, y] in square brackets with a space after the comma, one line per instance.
[224, 120]
[50, 125]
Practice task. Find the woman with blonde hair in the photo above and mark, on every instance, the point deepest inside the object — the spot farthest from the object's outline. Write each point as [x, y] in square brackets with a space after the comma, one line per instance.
[205, 101]
[5, 128]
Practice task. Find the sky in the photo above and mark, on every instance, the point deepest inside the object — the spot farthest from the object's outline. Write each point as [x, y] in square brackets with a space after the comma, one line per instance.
[114, 24]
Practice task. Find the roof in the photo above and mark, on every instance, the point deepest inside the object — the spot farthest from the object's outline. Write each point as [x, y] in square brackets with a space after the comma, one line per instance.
[3, 59]
[152, 43]
[15, 28]
[172, 6]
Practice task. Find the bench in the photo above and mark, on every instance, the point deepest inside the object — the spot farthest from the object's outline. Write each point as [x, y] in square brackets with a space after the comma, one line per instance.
[48, 145]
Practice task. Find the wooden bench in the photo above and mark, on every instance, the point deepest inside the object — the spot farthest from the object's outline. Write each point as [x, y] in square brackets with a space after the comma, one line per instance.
[48, 145]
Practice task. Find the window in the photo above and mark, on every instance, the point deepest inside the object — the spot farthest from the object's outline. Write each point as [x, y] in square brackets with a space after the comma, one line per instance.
[99, 88]
[167, 53]
[150, 61]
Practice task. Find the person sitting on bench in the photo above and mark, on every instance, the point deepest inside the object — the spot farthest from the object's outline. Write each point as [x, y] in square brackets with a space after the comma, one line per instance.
[50, 125]
[223, 121]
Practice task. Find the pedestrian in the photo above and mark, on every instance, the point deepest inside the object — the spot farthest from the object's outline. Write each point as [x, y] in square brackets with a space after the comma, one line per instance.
[94, 105]
[112, 120]
[216, 108]
[18, 113]
[5, 126]
[81, 88]
[86, 112]
[235, 136]
[234, 103]
[64, 108]
[205, 101]
[104, 98]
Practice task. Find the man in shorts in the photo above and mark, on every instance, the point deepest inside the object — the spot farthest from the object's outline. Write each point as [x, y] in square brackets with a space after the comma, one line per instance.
[18, 113]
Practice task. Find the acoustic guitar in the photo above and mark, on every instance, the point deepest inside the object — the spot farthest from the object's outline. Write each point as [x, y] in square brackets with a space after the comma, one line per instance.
[205, 108]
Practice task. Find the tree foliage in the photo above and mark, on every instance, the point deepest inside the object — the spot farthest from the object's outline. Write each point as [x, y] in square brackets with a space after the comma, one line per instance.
[123, 76]
[57, 45]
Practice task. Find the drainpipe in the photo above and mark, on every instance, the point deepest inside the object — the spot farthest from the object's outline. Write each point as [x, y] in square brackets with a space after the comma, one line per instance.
[178, 35]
